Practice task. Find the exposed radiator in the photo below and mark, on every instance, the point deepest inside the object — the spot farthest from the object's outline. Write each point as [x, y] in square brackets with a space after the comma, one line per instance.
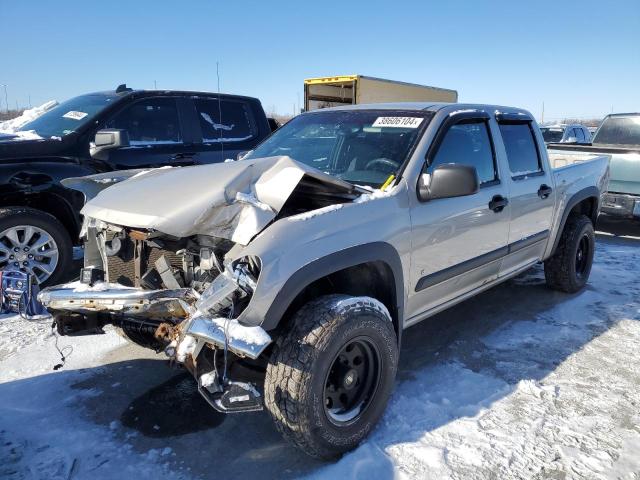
[123, 272]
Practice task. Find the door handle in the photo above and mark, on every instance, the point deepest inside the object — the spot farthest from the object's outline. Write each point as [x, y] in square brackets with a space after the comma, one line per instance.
[497, 203]
[544, 191]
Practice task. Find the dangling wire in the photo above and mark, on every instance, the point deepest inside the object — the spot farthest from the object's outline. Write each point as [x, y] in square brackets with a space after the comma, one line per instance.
[61, 351]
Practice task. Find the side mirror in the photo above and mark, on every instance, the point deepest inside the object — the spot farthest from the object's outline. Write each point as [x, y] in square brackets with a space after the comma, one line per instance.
[106, 140]
[448, 180]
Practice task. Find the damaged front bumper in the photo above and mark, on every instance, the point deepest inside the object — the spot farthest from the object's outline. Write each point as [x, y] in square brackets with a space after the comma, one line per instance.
[177, 306]
[117, 299]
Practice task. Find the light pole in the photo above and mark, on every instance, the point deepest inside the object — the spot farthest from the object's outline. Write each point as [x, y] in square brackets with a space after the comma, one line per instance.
[6, 102]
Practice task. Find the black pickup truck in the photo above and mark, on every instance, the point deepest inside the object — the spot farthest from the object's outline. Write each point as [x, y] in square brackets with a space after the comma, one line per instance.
[103, 132]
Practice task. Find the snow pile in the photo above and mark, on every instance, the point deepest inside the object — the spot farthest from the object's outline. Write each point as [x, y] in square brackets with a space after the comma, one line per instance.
[236, 331]
[78, 286]
[44, 431]
[11, 126]
[22, 135]
[314, 213]
[367, 197]
[552, 393]
[252, 200]
[520, 382]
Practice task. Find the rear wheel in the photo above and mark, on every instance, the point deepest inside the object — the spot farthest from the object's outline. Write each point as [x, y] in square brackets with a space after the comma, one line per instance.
[569, 268]
[35, 242]
[329, 378]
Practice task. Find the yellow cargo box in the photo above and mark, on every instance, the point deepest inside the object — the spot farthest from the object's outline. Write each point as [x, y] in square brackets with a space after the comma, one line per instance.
[324, 92]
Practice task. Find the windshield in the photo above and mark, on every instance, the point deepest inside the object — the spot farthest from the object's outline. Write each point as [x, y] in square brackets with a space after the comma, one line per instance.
[363, 147]
[619, 131]
[552, 136]
[69, 116]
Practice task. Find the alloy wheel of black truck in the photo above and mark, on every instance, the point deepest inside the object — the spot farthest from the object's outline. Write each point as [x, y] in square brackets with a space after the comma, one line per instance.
[569, 268]
[34, 242]
[330, 376]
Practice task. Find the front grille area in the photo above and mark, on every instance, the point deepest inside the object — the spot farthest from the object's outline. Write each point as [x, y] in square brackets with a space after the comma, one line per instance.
[123, 271]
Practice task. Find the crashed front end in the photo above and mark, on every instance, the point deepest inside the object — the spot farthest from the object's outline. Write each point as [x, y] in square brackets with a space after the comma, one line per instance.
[164, 263]
[171, 295]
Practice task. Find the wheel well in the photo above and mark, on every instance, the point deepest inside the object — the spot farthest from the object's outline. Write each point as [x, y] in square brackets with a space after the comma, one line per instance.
[588, 207]
[372, 279]
[51, 204]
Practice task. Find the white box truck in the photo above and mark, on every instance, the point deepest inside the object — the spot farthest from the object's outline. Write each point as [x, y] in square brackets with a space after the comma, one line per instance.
[326, 92]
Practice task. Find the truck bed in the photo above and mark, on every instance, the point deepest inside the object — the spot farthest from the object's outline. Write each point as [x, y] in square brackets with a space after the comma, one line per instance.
[567, 158]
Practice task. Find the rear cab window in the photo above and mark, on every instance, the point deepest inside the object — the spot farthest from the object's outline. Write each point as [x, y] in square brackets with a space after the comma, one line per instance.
[619, 130]
[521, 148]
[225, 120]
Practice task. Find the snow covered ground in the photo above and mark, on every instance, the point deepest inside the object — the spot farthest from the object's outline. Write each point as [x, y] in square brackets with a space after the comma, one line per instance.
[519, 382]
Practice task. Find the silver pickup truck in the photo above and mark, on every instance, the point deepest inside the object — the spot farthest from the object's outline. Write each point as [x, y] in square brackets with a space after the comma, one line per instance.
[285, 280]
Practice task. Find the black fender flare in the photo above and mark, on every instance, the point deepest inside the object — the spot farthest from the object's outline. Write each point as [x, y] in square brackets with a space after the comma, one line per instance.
[576, 198]
[349, 257]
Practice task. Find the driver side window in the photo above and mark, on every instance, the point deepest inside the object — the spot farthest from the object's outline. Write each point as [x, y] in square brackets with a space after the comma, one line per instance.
[468, 143]
[148, 122]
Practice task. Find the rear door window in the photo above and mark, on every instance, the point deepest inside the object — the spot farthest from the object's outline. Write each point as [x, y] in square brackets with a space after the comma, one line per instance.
[468, 143]
[150, 121]
[224, 121]
[520, 145]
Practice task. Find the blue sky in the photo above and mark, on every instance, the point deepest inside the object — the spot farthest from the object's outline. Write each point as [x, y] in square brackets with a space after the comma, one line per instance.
[581, 58]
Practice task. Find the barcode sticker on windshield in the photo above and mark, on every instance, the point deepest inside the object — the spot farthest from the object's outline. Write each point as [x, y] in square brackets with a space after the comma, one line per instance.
[75, 115]
[400, 122]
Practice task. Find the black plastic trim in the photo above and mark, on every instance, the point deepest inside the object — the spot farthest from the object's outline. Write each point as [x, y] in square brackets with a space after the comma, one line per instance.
[589, 192]
[450, 272]
[506, 117]
[527, 242]
[349, 257]
[461, 268]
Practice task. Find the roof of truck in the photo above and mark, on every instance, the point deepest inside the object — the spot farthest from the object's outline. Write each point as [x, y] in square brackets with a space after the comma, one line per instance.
[428, 106]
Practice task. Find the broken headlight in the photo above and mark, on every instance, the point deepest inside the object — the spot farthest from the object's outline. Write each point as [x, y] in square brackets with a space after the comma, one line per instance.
[230, 292]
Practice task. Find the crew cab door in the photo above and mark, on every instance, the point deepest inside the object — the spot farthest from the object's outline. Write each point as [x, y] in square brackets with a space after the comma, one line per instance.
[157, 135]
[532, 197]
[458, 243]
[224, 128]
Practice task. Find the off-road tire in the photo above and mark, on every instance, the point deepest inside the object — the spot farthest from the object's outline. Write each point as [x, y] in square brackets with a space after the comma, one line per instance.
[300, 364]
[560, 269]
[14, 216]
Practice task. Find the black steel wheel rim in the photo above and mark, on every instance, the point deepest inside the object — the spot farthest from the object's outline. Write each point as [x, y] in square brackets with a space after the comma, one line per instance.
[352, 381]
[582, 256]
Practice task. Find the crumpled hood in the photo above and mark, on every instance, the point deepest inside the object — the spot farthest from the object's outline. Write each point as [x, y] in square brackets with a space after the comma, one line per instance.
[233, 200]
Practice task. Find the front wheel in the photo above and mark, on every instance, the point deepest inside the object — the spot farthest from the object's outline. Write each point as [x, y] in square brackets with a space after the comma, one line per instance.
[330, 377]
[34, 242]
[569, 268]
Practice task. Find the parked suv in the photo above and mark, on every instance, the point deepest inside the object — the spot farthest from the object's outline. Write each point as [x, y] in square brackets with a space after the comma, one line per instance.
[306, 269]
[561, 133]
[102, 132]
